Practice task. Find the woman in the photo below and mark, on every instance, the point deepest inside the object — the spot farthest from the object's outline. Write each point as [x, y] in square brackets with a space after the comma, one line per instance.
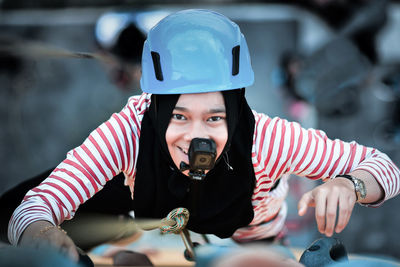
[195, 66]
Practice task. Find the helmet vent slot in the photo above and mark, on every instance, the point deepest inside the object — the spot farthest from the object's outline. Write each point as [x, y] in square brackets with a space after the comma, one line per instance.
[235, 60]
[157, 65]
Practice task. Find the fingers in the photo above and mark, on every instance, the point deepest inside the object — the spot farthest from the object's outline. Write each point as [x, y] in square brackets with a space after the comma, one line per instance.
[331, 207]
[315, 198]
[305, 201]
[333, 203]
[58, 240]
[320, 210]
[65, 245]
[346, 208]
[69, 249]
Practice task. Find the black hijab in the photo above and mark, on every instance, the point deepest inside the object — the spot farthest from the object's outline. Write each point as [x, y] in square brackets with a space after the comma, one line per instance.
[224, 201]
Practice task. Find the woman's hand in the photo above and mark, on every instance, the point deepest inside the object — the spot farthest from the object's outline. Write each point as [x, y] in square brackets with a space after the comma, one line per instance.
[335, 195]
[42, 233]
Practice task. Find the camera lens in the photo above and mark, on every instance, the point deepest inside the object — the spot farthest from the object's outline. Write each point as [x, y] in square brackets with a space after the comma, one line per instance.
[202, 161]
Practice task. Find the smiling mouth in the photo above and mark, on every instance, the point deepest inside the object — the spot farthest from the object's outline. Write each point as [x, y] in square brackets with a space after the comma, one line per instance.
[183, 150]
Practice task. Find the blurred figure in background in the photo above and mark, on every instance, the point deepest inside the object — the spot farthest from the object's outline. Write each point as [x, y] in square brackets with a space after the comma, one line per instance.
[331, 79]
[358, 20]
[121, 42]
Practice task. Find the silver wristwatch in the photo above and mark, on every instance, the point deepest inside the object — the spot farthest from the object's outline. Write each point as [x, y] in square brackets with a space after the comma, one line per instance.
[359, 186]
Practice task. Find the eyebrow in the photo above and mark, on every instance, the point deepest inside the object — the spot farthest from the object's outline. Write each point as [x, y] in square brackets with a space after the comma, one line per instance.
[212, 110]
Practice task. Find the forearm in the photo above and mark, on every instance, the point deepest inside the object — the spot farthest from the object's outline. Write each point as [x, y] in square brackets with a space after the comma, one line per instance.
[375, 192]
[29, 211]
[32, 231]
[45, 233]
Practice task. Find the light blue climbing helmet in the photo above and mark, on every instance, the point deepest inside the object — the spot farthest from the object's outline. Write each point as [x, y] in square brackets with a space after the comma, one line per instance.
[195, 51]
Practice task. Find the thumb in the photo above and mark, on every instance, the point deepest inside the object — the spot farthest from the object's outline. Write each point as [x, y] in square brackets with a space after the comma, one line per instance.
[305, 201]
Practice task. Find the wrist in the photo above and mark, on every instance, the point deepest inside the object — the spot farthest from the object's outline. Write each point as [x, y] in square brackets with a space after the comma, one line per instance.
[32, 230]
[359, 186]
[48, 228]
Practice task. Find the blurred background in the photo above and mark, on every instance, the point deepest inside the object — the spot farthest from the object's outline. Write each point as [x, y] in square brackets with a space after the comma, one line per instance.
[67, 65]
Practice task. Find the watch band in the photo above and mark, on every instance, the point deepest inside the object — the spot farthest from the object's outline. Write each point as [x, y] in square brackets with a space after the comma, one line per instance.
[359, 186]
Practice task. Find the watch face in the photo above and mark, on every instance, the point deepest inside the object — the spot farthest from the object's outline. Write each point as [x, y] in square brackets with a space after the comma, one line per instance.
[360, 188]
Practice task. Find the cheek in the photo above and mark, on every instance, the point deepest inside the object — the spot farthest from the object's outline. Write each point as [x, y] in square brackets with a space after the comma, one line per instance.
[170, 137]
[220, 139]
[173, 137]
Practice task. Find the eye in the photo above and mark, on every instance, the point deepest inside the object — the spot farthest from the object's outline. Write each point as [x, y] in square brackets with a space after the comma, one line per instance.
[215, 118]
[178, 117]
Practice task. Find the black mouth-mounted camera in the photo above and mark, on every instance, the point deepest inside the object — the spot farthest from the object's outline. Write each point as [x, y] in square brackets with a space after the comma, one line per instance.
[202, 153]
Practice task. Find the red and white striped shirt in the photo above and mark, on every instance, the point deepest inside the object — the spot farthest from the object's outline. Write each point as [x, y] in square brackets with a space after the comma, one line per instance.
[279, 148]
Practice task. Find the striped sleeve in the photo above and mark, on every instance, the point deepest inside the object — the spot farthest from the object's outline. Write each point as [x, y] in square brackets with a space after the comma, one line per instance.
[110, 149]
[281, 148]
[285, 147]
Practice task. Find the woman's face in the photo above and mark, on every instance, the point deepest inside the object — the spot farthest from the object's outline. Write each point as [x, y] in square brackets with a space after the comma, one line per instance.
[196, 115]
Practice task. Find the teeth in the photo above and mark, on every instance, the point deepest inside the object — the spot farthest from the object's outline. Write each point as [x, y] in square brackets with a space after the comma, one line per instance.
[183, 150]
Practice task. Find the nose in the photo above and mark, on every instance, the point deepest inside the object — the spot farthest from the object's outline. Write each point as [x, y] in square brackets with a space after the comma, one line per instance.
[196, 129]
